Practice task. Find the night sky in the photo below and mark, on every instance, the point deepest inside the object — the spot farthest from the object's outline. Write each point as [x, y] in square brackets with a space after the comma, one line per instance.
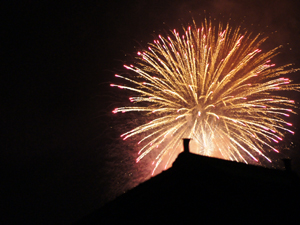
[61, 157]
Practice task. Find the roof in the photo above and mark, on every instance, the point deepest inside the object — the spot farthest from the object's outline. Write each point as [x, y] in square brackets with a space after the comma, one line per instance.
[200, 189]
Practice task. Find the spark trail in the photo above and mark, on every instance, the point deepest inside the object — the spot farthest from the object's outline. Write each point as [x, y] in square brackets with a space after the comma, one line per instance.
[213, 85]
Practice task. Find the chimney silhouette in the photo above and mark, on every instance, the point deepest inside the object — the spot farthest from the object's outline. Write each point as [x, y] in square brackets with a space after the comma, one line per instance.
[287, 164]
[186, 142]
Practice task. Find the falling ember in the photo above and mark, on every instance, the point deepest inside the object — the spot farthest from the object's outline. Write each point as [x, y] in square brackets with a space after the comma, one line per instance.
[213, 85]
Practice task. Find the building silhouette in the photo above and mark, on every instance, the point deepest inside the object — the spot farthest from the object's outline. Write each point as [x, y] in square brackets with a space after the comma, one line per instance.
[203, 190]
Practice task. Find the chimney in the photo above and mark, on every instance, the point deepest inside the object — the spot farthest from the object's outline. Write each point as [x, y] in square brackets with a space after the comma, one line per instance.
[287, 165]
[186, 142]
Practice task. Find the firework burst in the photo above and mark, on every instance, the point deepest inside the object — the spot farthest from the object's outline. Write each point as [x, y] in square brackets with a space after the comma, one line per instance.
[213, 85]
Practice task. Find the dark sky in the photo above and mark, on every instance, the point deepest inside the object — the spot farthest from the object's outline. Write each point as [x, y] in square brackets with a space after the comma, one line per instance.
[59, 159]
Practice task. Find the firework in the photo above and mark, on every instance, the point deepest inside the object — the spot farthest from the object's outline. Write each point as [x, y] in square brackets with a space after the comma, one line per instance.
[213, 85]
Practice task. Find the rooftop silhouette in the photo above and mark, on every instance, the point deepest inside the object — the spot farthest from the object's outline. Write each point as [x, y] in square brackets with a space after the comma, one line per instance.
[203, 190]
